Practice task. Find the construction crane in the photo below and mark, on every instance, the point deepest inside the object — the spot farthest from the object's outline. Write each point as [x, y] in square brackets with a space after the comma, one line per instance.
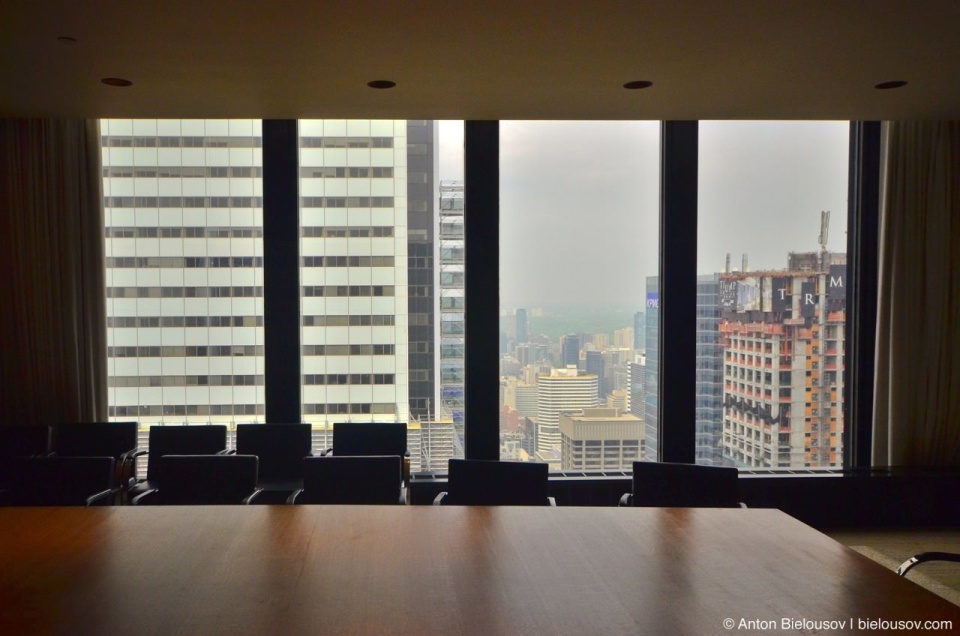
[824, 234]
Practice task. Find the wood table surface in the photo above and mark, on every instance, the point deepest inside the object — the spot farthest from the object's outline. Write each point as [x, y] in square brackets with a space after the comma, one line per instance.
[437, 570]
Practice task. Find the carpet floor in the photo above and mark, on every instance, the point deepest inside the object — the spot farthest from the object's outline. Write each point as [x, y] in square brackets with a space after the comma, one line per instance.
[890, 548]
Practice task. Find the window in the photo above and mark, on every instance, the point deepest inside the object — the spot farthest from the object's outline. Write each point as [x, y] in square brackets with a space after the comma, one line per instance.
[382, 281]
[578, 243]
[772, 251]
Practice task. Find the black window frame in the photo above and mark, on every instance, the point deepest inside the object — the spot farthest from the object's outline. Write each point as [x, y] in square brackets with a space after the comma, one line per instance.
[678, 248]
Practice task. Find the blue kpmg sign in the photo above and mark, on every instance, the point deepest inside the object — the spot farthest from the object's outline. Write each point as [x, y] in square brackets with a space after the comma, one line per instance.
[653, 300]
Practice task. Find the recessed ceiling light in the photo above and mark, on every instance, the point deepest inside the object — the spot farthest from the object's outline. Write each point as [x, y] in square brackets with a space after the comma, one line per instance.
[66, 39]
[116, 81]
[381, 84]
[887, 85]
[637, 85]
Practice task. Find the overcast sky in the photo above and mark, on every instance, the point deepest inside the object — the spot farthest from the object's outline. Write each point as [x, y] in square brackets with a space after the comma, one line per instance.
[579, 202]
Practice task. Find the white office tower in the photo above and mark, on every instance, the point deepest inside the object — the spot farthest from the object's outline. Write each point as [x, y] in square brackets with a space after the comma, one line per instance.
[353, 215]
[561, 390]
[452, 303]
[184, 271]
[183, 206]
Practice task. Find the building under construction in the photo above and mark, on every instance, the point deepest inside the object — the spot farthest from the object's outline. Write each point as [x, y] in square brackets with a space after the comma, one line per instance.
[782, 341]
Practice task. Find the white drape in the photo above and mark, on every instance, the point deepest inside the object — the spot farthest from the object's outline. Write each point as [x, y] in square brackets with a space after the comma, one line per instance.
[917, 399]
[52, 303]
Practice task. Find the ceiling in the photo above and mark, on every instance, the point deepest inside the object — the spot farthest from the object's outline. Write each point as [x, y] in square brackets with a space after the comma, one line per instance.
[517, 59]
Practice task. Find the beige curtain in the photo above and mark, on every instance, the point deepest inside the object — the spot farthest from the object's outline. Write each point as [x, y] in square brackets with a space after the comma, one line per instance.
[53, 304]
[917, 403]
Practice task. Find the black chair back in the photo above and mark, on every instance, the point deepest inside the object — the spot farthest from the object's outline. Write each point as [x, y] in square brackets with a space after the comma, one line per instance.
[369, 438]
[660, 484]
[207, 439]
[95, 439]
[206, 479]
[61, 481]
[476, 482]
[24, 441]
[280, 448]
[351, 480]
[20, 441]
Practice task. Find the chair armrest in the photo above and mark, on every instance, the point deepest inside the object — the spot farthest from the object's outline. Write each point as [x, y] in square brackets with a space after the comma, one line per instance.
[552, 502]
[102, 495]
[626, 500]
[743, 505]
[438, 501]
[326, 451]
[126, 461]
[292, 499]
[130, 455]
[249, 498]
[143, 497]
[923, 557]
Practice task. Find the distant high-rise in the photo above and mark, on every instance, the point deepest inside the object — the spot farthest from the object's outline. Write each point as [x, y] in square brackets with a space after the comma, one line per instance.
[523, 328]
[452, 303]
[569, 350]
[635, 380]
[562, 390]
[709, 390]
[651, 371]
[600, 439]
[624, 338]
[638, 328]
[594, 365]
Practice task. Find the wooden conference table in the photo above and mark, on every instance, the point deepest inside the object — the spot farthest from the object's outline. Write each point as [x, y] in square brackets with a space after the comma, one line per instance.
[436, 570]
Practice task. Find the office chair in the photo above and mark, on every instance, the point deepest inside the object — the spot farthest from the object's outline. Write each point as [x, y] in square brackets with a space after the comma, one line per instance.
[477, 482]
[63, 481]
[99, 439]
[371, 438]
[280, 449]
[668, 485]
[20, 441]
[207, 480]
[206, 439]
[373, 479]
[24, 441]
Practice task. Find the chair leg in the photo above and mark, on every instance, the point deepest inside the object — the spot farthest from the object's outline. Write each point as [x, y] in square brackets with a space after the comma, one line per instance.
[923, 557]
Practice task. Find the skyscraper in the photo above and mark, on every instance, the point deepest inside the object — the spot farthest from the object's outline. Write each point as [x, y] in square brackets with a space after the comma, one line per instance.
[783, 342]
[184, 269]
[639, 326]
[452, 303]
[569, 350]
[185, 281]
[635, 380]
[709, 390]
[523, 328]
[354, 276]
[594, 365]
[421, 246]
[561, 390]
[651, 377]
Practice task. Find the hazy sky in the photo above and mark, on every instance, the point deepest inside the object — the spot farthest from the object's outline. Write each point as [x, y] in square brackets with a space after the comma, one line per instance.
[579, 202]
